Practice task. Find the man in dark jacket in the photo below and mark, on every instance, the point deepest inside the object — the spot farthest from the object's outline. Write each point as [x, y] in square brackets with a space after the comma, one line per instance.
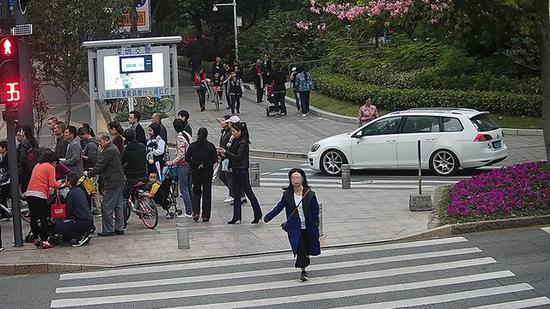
[259, 73]
[135, 162]
[133, 118]
[61, 145]
[109, 167]
[90, 149]
[278, 78]
[73, 157]
[157, 118]
[78, 224]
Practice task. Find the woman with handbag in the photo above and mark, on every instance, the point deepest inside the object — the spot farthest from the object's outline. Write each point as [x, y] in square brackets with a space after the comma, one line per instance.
[40, 187]
[302, 224]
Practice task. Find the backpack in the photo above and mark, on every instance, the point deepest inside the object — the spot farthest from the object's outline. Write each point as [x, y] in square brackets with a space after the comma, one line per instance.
[306, 83]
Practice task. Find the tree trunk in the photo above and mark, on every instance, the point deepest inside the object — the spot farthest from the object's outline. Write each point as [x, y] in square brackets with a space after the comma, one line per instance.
[133, 20]
[545, 71]
[68, 98]
[197, 23]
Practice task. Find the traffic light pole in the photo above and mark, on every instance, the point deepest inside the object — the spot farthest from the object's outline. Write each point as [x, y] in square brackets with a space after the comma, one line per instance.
[9, 118]
[25, 106]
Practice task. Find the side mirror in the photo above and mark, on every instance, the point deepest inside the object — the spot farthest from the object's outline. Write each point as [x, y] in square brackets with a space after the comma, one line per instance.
[358, 134]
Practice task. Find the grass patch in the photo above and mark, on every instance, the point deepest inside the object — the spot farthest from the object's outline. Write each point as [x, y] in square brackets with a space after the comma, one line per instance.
[346, 108]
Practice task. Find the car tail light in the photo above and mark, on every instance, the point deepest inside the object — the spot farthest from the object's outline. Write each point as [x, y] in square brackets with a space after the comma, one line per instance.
[483, 138]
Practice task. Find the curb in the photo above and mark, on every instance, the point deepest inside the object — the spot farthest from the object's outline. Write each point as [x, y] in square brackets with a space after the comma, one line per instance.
[45, 268]
[346, 119]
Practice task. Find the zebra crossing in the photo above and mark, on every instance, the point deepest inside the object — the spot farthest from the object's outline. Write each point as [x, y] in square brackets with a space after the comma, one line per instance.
[440, 273]
[280, 179]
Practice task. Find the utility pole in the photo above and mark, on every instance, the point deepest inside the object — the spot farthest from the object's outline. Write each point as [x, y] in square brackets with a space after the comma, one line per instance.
[25, 106]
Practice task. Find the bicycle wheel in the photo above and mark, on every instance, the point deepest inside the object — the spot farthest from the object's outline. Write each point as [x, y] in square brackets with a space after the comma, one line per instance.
[25, 213]
[128, 210]
[166, 105]
[149, 215]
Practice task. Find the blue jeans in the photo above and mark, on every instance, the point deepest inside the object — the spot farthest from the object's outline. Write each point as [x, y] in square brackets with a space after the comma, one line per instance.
[304, 101]
[184, 180]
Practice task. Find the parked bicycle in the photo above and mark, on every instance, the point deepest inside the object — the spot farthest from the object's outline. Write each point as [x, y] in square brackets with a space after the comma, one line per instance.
[143, 206]
[24, 210]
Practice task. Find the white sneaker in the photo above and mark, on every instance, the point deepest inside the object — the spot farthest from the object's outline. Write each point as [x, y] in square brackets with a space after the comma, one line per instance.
[304, 115]
[229, 199]
[189, 216]
[1, 248]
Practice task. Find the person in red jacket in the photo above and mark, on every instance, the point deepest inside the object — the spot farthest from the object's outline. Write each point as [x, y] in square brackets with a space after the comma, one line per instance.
[200, 86]
[40, 186]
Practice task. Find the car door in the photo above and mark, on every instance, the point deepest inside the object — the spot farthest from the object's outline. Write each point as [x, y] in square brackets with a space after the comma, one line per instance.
[374, 146]
[425, 129]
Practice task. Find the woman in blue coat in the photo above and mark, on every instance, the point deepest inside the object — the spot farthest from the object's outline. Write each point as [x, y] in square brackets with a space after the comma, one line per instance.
[302, 213]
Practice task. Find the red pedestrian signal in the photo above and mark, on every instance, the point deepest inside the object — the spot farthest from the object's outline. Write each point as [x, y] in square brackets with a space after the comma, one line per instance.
[10, 91]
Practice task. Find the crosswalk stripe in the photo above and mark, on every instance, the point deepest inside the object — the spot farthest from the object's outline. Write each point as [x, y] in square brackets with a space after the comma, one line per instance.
[524, 303]
[353, 186]
[445, 298]
[546, 229]
[252, 260]
[366, 291]
[71, 302]
[326, 266]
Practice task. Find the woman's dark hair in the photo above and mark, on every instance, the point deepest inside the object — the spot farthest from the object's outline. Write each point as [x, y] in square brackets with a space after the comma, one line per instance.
[90, 130]
[129, 135]
[47, 156]
[29, 136]
[366, 97]
[179, 125]
[115, 126]
[73, 179]
[183, 113]
[202, 135]
[301, 172]
[242, 127]
[156, 128]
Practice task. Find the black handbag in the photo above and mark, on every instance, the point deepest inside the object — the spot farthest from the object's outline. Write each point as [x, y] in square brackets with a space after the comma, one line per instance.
[283, 225]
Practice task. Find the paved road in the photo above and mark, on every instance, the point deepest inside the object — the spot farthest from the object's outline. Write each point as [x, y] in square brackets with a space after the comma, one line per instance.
[274, 173]
[504, 269]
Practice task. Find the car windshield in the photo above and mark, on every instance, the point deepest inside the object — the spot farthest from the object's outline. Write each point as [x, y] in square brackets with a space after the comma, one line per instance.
[483, 123]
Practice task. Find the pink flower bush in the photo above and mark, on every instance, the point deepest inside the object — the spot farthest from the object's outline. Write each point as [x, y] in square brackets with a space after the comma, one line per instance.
[395, 8]
[520, 187]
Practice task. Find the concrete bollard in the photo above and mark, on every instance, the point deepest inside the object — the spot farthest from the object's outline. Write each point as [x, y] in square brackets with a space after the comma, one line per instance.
[346, 176]
[321, 219]
[182, 228]
[254, 174]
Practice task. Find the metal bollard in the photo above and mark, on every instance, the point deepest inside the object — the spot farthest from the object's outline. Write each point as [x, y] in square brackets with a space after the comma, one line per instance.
[254, 174]
[346, 176]
[320, 219]
[182, 228]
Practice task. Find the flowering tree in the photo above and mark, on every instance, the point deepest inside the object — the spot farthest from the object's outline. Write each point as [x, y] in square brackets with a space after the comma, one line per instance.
[527, 18]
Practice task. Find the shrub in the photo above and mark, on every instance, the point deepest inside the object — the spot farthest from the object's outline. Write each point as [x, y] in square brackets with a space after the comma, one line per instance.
[346, 88]
[521, 187]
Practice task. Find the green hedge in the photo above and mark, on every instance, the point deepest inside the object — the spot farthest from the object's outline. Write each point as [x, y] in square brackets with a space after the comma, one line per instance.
[346, 88]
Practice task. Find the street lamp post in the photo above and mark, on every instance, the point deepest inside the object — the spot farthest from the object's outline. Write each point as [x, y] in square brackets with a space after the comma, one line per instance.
[236, 29]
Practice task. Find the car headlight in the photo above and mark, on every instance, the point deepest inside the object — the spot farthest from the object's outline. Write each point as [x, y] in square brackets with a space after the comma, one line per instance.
[315, 147]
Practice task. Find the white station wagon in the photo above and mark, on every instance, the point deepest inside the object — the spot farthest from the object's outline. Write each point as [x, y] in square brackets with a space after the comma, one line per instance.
[450, 138]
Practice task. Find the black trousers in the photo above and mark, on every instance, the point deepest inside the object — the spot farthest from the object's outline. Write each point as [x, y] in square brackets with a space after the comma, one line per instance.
[235, 103]
[241, 183]
[202, 97]
[39, 212]
[71, 229]
[302, 257]
[4, 193]
[259, 90]
[202, 189]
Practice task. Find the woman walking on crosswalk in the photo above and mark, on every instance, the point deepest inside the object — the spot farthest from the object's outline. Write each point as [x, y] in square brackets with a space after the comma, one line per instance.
[302, 223]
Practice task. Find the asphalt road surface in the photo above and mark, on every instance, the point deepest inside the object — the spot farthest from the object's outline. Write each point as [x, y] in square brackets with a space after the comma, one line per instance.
[501, 269]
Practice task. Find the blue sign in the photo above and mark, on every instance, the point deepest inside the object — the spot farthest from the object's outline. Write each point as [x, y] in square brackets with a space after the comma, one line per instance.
[140, 3]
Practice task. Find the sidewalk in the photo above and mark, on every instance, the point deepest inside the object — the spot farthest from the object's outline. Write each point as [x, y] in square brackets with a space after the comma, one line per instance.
[350, 217]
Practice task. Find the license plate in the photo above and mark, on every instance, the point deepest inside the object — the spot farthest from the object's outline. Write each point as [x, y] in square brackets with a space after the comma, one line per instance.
[497, 144]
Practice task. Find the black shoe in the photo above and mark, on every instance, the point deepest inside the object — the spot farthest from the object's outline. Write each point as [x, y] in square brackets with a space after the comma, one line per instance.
[85, 239]
[257, 220]
[105, 234]
[234, 221]
[119, 232]
[303, 275]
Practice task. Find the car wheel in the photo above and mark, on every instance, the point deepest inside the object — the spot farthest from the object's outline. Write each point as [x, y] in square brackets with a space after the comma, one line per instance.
[444, 163]
[332, 161]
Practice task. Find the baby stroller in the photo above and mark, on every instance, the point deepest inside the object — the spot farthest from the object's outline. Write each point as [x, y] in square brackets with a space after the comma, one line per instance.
[168, 192]
[270, 109]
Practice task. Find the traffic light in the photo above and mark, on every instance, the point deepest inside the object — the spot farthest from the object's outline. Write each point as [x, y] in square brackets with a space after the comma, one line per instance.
[10, 83]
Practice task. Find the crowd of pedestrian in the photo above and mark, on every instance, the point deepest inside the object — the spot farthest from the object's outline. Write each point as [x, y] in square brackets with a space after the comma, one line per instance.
[115, 161]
